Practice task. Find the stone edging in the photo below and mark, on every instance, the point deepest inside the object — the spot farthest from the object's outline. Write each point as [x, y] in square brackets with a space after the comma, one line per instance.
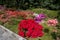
[6, 34]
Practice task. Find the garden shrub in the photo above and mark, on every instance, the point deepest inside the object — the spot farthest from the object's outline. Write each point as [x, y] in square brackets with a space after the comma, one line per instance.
[26, 4]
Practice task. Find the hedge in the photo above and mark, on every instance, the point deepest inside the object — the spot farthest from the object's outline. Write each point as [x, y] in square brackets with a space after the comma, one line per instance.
[26, 4]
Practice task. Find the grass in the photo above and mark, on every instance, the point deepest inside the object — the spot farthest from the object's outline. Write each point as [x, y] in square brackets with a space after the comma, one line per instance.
[13, 24]
[49, 13]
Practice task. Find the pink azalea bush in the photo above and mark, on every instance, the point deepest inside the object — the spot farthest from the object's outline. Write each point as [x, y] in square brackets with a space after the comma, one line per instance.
[52, 22]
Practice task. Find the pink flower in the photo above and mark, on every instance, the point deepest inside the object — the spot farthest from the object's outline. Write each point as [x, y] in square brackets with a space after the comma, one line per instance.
[38, 18]
[52, 22]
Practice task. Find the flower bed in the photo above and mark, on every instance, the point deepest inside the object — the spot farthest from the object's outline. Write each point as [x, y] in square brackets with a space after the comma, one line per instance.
[32, 26]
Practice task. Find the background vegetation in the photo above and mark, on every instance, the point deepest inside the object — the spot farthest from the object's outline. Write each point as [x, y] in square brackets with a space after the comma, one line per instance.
[27, 4]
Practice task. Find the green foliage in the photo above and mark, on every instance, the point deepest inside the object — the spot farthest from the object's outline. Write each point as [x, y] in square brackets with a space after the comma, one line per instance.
[26, 4]
[58, 17]
[1, 23]
[58, 33]
[50, 4]
[12, 25]
[49, 13]
[1, 12]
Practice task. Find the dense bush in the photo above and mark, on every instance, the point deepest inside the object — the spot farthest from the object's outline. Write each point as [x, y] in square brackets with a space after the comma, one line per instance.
[26, 4]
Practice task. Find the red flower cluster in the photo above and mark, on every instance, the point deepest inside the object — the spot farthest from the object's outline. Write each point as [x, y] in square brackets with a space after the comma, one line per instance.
[29, 28]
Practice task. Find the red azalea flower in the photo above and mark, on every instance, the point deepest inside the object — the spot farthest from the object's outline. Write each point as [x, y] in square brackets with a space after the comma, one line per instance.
[21, 33]
[34, 34]
[23, 23]
[41, 33]
[28, 33]
[30, 28]
[37, 33]
[38, 27]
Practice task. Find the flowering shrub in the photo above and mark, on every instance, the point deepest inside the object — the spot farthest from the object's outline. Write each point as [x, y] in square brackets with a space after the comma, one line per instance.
[29, 28]
[52, 22]
[19, 13]
[40, 17]
[3, 18]
[8, 14]
[26, 14]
